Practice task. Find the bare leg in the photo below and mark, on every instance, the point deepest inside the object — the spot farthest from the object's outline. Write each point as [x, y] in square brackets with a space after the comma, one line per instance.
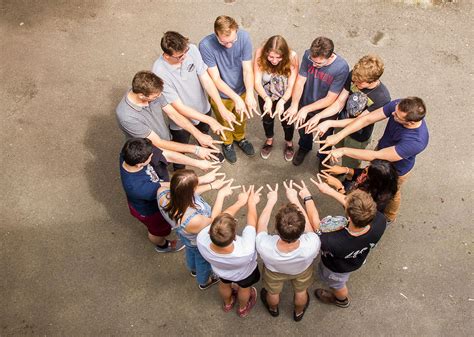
[300, 301]
[225, 290]
[244, 296]
[273, 300]
[157, 240]
[341, 294]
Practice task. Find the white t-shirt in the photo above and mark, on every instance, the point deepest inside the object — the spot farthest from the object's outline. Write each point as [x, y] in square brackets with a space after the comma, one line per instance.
[292, 263]
[237, 265]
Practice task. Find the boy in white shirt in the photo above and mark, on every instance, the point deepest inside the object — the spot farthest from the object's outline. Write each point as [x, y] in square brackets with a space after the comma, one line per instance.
[289, 255]
[234, 258]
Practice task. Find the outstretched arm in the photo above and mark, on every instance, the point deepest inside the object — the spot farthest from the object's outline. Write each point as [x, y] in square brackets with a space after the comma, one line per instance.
[272, 197]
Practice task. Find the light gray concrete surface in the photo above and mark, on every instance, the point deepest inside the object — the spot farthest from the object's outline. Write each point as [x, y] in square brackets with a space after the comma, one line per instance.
[75, 263]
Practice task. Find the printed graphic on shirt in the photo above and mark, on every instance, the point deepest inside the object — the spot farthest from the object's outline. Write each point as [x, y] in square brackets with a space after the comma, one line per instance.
[150, 171]
[321, 75]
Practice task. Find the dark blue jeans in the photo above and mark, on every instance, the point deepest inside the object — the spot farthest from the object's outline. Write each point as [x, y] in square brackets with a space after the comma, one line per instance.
[306, 140]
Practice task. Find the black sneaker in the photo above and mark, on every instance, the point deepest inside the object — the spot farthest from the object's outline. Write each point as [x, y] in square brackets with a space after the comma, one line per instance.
[246, 147]
[298, 159]
[229, 153]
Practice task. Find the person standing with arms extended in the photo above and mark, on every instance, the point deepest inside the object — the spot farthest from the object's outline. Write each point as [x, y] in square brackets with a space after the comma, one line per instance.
[228, 55]
[320, 81]
[275, 68]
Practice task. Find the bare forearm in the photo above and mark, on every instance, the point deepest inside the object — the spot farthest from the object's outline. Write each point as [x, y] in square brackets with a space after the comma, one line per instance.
[360, 154]
[313, 214]
[320, 104]
[265, 217]
[252, 215]
[225, 89]
[233, 209]
[217, 209]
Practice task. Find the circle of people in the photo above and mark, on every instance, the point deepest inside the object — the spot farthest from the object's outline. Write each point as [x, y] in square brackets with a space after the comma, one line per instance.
[319, 97]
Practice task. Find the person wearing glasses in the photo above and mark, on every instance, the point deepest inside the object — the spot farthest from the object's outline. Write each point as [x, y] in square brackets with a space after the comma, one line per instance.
[186, 82]
[320, 81]
[405, 136]
[228, 55]
[140, 114]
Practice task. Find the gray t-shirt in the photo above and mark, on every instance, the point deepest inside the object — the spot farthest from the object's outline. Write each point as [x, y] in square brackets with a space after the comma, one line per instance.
[139, 121]
[319, 81]
[228, 60]
[183, 82]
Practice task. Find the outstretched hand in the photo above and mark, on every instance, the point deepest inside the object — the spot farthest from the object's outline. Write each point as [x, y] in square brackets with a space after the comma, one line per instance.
[291, 193]
[272, 194]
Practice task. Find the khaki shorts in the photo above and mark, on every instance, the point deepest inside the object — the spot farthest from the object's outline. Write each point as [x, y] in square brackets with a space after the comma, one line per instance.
[273, 281]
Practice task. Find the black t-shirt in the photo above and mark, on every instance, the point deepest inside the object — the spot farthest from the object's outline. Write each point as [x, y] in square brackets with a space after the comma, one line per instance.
[342, 253]
[377, 98]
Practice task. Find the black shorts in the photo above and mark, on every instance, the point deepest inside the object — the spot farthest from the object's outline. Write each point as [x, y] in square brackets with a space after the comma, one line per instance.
[248, 281]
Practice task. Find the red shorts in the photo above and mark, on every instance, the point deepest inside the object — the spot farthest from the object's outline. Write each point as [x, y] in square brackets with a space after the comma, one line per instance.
[156, 224]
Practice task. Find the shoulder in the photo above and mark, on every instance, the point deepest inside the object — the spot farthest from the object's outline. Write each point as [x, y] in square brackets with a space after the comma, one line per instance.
[207, 42]
[341, 63]
[243, 34]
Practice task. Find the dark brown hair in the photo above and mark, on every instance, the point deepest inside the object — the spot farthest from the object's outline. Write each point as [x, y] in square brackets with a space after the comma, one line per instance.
[182, 187]
[290, 222]
[147, 83]
[414, 108]
[222, 231]
[276, 44]
[173, 42]
[322, 47]
[361, 208]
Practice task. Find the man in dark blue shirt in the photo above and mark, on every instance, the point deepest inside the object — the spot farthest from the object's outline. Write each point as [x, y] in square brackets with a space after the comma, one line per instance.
[405, 136]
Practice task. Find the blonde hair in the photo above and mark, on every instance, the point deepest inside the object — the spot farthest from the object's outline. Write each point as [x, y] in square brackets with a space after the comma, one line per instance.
[225, 25]
[368, 69]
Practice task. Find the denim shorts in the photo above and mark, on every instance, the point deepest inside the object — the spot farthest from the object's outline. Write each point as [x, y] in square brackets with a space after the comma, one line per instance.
[332, 279]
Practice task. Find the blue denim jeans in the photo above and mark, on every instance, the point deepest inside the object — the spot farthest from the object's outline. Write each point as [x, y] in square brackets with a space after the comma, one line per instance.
[306, 140]
[195, 261]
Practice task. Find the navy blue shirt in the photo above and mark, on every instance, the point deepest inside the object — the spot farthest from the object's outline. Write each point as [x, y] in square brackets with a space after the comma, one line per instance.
[141, 188]
[408, 142]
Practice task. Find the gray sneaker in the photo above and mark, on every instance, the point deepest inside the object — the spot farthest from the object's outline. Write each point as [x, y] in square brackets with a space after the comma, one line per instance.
[173, 247]
[229, 153]
[246, 147]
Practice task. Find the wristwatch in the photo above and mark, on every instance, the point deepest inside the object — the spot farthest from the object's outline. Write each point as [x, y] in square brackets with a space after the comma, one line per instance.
[310, 197]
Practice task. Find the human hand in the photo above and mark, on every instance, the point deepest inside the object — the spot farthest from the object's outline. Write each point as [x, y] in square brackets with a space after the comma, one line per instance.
[279, 109]
[291, 193]
[241, 108]
[206, 165]
[299, 118]
[267, 107]
[328, 143]
[219, 129]
[254, 196]
[289, 113]
[320, 130]
[333, 156]
[251, 105]
[272, 195]
[243, 196]
[304, 192]
[332, 181]
[227, 188]
[336, 170]
[322, 186]
[229, 117]
[211, 176]
[206, 153]
[310, 124]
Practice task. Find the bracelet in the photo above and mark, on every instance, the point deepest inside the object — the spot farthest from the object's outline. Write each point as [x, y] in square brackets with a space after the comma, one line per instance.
[310, 197]
[196, 150]
[210, 185]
